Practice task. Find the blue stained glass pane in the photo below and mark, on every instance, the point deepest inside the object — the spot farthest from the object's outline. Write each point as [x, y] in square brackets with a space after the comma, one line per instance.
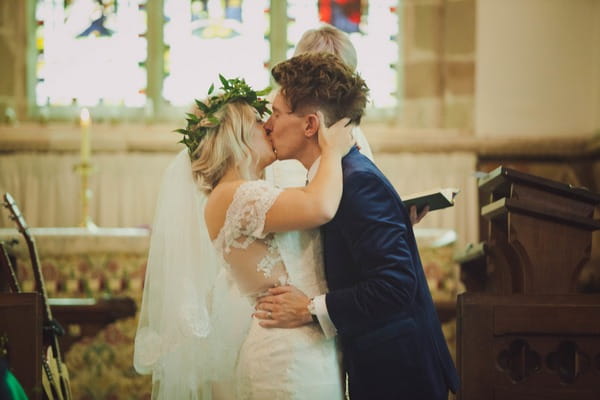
[91, 52]
[205, 38]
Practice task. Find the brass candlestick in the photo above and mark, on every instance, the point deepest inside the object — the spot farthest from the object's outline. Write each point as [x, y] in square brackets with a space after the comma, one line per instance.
[85, 169]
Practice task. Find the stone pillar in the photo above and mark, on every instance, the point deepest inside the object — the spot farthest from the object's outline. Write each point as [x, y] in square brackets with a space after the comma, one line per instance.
[439, 71]
[14, 39]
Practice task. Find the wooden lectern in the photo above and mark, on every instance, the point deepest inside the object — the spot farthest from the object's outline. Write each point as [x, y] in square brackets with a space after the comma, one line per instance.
[523, 331]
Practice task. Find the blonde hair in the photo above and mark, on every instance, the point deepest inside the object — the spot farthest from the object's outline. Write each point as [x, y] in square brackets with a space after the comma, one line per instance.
[328, 39]
[225, 146]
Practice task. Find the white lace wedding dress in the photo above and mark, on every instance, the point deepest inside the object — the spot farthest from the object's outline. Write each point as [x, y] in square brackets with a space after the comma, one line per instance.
[297, 363]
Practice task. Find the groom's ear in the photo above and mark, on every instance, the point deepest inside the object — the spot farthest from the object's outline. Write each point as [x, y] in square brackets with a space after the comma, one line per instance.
[312, 125]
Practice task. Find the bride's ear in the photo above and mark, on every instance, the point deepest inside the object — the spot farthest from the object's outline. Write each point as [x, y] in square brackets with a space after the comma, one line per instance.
[312, 125]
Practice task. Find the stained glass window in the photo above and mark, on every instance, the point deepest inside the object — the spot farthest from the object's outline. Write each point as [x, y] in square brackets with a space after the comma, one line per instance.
[131, 53]
[90, 52]
[212, 37]
[373, 29]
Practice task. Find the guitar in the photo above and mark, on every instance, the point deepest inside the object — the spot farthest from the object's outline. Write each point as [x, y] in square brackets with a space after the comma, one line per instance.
[51, 359]
[8, 267]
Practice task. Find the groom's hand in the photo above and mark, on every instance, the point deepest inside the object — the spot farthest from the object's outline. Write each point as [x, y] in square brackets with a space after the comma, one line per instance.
[283, 307]
[416, 218]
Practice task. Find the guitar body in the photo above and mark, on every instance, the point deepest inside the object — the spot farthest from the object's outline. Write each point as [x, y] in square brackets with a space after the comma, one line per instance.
[55, 377]
[54, 369]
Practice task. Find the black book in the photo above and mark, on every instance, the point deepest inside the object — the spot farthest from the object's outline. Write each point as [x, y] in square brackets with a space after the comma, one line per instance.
[435, 198]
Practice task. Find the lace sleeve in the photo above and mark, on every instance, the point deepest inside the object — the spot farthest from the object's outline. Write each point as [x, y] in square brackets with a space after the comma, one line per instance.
[247, 212]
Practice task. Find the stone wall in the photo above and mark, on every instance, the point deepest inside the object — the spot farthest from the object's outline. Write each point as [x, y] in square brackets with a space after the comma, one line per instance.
[13, 65]
[439, 64]
[538, 68]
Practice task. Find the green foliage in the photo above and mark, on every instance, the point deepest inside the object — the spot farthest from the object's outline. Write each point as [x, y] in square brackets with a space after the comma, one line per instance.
[232, 90]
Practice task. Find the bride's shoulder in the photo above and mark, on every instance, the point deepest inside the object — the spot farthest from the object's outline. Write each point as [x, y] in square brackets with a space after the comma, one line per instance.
[224, 193]
[232, 197]
[258, 184]
[218, 202]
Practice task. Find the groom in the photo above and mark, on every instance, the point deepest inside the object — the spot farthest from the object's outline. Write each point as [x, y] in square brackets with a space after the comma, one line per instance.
[378, 303]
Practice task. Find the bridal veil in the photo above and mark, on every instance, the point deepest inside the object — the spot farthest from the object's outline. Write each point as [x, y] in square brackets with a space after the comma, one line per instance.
[192, 320]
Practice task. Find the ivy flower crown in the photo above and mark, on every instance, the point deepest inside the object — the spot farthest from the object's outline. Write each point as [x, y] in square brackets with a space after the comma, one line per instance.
[232, 90]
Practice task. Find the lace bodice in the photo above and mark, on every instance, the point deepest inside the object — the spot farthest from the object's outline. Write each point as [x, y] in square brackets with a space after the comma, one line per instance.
[276, 363]
[251, 254]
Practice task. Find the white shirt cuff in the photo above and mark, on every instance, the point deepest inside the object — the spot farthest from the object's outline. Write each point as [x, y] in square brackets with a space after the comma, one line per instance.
[323, 316]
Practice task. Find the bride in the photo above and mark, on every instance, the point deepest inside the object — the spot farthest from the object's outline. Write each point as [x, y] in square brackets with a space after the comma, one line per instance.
[195, 334]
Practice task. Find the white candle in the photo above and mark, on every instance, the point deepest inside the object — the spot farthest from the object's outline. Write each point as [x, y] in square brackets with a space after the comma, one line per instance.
[86, 147]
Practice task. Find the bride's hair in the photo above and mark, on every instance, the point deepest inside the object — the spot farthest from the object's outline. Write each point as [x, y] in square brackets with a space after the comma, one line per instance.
[225, 145]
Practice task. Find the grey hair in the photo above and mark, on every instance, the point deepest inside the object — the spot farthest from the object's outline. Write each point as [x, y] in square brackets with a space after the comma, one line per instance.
[328, 39]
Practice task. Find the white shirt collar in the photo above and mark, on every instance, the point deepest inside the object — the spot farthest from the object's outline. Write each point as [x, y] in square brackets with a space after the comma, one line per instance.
[312, 171]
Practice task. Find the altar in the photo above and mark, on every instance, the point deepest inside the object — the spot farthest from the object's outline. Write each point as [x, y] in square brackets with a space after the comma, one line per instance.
[79, 262]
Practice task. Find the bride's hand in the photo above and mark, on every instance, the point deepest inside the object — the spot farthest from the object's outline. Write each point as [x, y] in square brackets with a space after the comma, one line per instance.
[337, 138]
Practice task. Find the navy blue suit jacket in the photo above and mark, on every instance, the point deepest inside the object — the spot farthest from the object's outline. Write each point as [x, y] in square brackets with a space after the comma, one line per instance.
[378, 299]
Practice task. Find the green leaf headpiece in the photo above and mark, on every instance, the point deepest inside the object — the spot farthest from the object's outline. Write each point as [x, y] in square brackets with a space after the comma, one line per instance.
[232, 90]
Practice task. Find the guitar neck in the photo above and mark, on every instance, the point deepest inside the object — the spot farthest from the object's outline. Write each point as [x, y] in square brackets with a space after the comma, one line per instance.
[7, 265]
[38, 276]
[51, 328]
[48, 318]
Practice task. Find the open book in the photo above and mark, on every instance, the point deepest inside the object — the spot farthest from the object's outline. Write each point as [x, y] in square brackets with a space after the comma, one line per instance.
[436, 198]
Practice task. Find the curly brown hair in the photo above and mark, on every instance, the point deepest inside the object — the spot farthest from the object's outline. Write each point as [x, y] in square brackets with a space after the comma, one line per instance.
[322, 81]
